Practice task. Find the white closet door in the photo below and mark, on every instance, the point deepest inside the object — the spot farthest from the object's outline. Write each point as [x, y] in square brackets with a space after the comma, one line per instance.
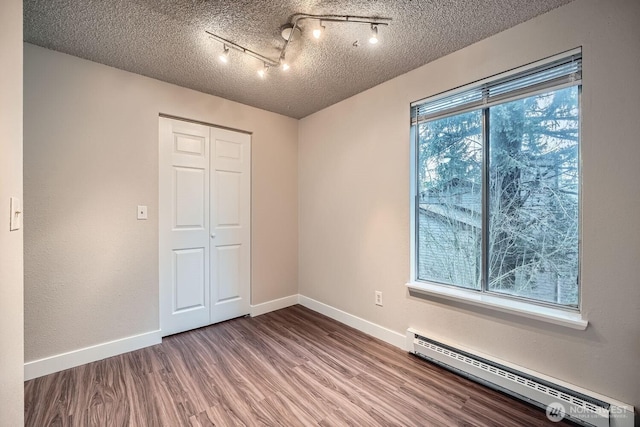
[230, 224]
[184, 226]
[204, 225]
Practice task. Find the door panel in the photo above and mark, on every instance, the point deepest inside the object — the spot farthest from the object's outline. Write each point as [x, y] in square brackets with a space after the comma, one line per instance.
[228, 272]
[228, 150]
[184, 226]
[230, 224]
[228, 203]
[188, 144]
[189, 198]
[189, 281]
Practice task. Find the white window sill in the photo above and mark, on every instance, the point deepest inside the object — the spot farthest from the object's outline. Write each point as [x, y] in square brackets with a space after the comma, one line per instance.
[531, 311]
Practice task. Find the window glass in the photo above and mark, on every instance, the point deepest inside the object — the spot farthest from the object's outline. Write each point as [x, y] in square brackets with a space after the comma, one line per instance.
[449, 202]
[533, 197]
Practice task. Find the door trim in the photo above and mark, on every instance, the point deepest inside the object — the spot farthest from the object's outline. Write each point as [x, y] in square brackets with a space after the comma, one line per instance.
[198, 122]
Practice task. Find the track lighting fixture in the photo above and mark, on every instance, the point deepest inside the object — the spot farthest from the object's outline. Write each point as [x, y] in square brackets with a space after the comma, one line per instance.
[263, 72]
[224, 56]
[289, 33]
[284, 65]
[317, 32]
[374, 34]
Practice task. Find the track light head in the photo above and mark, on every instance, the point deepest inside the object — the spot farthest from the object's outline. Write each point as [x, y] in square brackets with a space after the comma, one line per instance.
[224, 56]
[317, 32]
[284, 65]
[374, 34]
[263, 71]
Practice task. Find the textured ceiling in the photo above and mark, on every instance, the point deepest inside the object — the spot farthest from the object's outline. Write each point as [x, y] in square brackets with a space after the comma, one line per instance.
[166, 40]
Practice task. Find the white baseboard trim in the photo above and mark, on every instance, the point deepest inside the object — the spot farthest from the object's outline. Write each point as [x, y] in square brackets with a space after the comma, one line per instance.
[60, 362]
[387, 335]
[273, 305]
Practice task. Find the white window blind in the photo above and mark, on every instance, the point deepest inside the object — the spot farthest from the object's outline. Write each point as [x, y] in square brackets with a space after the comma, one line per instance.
[539, 77]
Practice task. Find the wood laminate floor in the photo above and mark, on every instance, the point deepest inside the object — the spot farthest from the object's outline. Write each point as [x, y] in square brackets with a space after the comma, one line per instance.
[292, 367]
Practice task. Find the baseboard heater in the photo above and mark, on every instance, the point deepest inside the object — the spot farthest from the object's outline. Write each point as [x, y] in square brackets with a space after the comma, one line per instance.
[574, 405]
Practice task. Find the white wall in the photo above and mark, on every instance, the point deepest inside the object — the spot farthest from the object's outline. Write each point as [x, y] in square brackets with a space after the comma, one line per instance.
[354, 202]
[11, 259]
[91, 156]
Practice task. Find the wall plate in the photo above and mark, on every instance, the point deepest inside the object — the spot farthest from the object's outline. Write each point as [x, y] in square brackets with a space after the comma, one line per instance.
[15, 209]
[142, 212]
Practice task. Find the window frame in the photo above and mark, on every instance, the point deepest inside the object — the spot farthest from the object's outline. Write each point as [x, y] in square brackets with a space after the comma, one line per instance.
[554, 313]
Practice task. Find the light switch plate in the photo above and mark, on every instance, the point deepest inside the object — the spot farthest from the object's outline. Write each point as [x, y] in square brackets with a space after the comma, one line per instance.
[15, 209]
[142, 212]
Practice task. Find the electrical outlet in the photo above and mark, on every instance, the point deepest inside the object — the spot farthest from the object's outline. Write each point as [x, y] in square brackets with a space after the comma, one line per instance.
[379, 298]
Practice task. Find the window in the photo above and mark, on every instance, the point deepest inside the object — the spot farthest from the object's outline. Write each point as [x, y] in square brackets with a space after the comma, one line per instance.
[496, 202]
